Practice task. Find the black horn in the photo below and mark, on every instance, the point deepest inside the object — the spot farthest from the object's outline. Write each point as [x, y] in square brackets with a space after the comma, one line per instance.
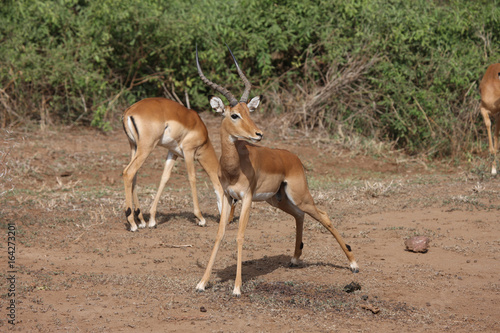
[248, 85]
[232, 100]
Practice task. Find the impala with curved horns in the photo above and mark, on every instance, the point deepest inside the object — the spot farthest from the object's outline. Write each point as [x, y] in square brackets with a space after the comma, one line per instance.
[249, 172]
[160, 121]
[490, 107]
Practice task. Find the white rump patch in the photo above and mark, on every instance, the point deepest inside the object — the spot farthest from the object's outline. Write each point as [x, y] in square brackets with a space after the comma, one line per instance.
[131, 129]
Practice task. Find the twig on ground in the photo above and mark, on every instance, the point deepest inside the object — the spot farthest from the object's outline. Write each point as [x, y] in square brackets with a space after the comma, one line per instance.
[175, 246]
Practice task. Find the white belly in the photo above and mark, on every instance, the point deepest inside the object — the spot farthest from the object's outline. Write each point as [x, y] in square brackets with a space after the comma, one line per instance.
[262, 196]
[256, 197]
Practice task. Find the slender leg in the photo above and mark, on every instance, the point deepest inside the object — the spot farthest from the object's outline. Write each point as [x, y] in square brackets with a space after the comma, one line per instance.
[299, 223]
[226, 203]
[129, 187]
[245, 215]
[282, 202]
[323, 218]
[486, 117]
[306, 204]
[233, 206]
[495, 144]
[129, 180]
[211, 167]
[189, 158]
[169, 164]
[137, 212]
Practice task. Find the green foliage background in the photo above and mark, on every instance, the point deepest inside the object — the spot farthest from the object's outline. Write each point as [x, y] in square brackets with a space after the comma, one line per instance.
[82, 61]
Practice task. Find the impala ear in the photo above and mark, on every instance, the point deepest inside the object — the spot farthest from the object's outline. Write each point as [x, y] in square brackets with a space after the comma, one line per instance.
[216, 104]
[254, 103]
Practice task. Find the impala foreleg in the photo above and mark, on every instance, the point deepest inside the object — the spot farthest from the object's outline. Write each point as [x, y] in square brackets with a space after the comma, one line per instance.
[243, 222]
[226, 203]
[169, 164]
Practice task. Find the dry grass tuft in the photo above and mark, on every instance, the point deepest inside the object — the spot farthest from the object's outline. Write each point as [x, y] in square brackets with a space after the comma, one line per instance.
[322, 102]
[7, 143]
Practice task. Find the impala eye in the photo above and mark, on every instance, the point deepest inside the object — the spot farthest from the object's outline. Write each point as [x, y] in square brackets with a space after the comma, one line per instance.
[235, 116]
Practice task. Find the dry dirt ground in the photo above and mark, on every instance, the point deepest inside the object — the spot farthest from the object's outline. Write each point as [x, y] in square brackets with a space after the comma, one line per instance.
[77, 268]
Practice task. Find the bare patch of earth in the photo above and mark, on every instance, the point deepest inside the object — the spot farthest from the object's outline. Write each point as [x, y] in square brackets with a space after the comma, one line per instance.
[79, 269]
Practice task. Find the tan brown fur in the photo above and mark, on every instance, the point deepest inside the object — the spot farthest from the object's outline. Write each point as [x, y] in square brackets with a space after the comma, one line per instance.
[490, 108]
[160, 121]
[249, 172]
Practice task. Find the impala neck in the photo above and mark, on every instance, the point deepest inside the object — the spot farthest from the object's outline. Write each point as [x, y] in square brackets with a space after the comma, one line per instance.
[230, 159]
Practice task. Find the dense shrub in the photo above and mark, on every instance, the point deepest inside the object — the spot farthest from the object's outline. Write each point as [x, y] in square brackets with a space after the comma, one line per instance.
[402, 71]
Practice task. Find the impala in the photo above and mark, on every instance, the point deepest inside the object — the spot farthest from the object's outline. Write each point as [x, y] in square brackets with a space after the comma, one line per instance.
[160, 121]
[490, 107]
[249, 172]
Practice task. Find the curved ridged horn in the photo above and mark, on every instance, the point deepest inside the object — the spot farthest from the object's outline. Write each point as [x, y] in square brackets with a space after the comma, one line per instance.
[248, 85]
[232, 101]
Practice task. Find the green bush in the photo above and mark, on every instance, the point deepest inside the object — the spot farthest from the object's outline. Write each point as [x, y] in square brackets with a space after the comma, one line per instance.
[416, 64]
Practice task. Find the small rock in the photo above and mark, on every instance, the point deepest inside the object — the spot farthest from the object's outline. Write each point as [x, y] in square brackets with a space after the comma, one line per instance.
[417, 244]
[371, 308]
[352, 287]
[202, 309]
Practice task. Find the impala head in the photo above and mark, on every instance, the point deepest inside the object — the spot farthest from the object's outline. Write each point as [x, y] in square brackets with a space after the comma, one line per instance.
[237, 121]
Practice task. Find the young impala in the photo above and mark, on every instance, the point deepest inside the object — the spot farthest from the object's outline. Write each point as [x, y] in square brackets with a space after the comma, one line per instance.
[249, 172]
[490, 107]
[160, 121]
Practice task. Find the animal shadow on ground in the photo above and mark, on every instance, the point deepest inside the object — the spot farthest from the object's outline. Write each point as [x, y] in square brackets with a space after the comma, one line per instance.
[255, 268]
[162, 218]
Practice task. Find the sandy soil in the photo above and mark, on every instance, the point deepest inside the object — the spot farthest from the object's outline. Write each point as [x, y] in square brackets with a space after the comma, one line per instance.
[77, 268]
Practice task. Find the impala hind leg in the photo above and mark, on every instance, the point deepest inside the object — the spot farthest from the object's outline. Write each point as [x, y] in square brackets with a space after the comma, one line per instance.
[492, 146]
[137, 211]
[495, 144]
[281, 201]
[169, 164]
[323, 218]
[189, 159]
[132, 209]
[306, 204]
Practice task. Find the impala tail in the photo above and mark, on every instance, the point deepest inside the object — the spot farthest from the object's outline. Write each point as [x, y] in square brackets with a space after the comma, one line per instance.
[130, 128]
